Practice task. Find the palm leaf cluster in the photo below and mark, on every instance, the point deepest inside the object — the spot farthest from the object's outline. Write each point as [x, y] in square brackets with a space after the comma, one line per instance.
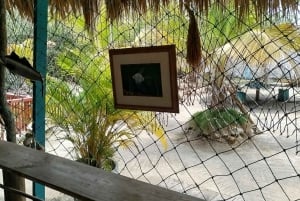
[267, 53]
[82, 105]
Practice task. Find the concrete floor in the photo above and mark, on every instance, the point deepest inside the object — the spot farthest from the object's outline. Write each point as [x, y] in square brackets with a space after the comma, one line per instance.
[255, 170]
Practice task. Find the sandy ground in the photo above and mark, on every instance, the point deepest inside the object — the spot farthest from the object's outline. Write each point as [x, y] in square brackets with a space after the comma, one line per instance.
[264, 167]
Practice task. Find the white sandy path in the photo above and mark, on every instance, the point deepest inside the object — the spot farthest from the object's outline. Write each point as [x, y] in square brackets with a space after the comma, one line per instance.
[259, 169]
[202, 163]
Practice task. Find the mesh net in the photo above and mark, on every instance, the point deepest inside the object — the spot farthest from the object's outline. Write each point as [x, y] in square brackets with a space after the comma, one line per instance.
[236, 135]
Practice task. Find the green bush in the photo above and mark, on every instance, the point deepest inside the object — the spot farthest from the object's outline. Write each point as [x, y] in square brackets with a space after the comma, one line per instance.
[82, 105]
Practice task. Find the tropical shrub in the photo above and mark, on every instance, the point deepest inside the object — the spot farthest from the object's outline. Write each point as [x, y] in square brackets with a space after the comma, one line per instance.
[83, 107]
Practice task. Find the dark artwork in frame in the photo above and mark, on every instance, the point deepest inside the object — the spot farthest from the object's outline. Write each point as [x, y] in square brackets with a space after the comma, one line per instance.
[145, 78]
[141, 79]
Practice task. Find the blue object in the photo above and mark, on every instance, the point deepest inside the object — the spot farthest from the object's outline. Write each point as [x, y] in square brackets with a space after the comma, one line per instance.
[283, 95]
[247, 73]
[255, 84]
[241, 96]
[40, 64]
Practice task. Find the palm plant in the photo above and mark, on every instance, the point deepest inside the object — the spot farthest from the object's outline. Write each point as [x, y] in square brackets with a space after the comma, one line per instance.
[267, 53]
[83, 108]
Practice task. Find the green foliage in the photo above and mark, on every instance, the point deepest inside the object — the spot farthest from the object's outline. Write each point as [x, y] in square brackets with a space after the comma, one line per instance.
[82, 105]
[215, 119]
[221, 26]
[174, 26]
[66, 34]
[18, 28]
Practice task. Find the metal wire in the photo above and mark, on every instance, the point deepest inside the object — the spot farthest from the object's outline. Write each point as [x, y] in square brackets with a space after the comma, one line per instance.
[216, 160]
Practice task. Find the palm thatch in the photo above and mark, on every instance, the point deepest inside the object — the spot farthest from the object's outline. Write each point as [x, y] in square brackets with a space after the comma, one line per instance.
[264, 53]
[193, 41]
[117, 8]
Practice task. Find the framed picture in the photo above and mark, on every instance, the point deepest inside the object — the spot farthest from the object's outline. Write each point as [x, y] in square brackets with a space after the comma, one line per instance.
[145, 78]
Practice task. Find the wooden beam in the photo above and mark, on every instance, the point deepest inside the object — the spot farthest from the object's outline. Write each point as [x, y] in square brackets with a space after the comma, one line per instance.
[39, 88]
[80, 180]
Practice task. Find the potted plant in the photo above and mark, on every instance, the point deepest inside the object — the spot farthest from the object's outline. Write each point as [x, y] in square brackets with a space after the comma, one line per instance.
[83, 107]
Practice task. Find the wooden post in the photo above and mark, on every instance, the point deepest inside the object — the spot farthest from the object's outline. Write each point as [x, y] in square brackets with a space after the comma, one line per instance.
[257, 94]
[9, 179]
[283, 95]
[65, 176]
[39, 89]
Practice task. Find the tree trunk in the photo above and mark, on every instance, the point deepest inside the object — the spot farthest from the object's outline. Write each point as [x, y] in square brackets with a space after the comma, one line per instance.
[9, 179]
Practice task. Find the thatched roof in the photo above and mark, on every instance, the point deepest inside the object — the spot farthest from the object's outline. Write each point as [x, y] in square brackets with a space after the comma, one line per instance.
[117, 8]
[265, 53]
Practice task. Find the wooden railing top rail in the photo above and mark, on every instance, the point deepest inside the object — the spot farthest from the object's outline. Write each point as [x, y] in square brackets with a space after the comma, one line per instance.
[79, 180]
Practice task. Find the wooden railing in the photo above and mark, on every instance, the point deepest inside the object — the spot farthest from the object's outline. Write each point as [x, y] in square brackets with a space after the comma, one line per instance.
[80, 180]
[21, 107]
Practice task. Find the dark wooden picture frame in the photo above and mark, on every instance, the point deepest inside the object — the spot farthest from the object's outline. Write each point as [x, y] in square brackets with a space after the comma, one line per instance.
[145, 78]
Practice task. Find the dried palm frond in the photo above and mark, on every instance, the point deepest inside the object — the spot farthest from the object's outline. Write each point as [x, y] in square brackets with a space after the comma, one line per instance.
[90, 10]
[193, 41]
[24, 7]
[269, 53]
[118, 8]
[287, 33]
[114, 8]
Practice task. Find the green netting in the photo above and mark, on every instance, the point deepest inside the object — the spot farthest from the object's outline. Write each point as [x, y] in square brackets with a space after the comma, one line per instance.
[236, 135]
